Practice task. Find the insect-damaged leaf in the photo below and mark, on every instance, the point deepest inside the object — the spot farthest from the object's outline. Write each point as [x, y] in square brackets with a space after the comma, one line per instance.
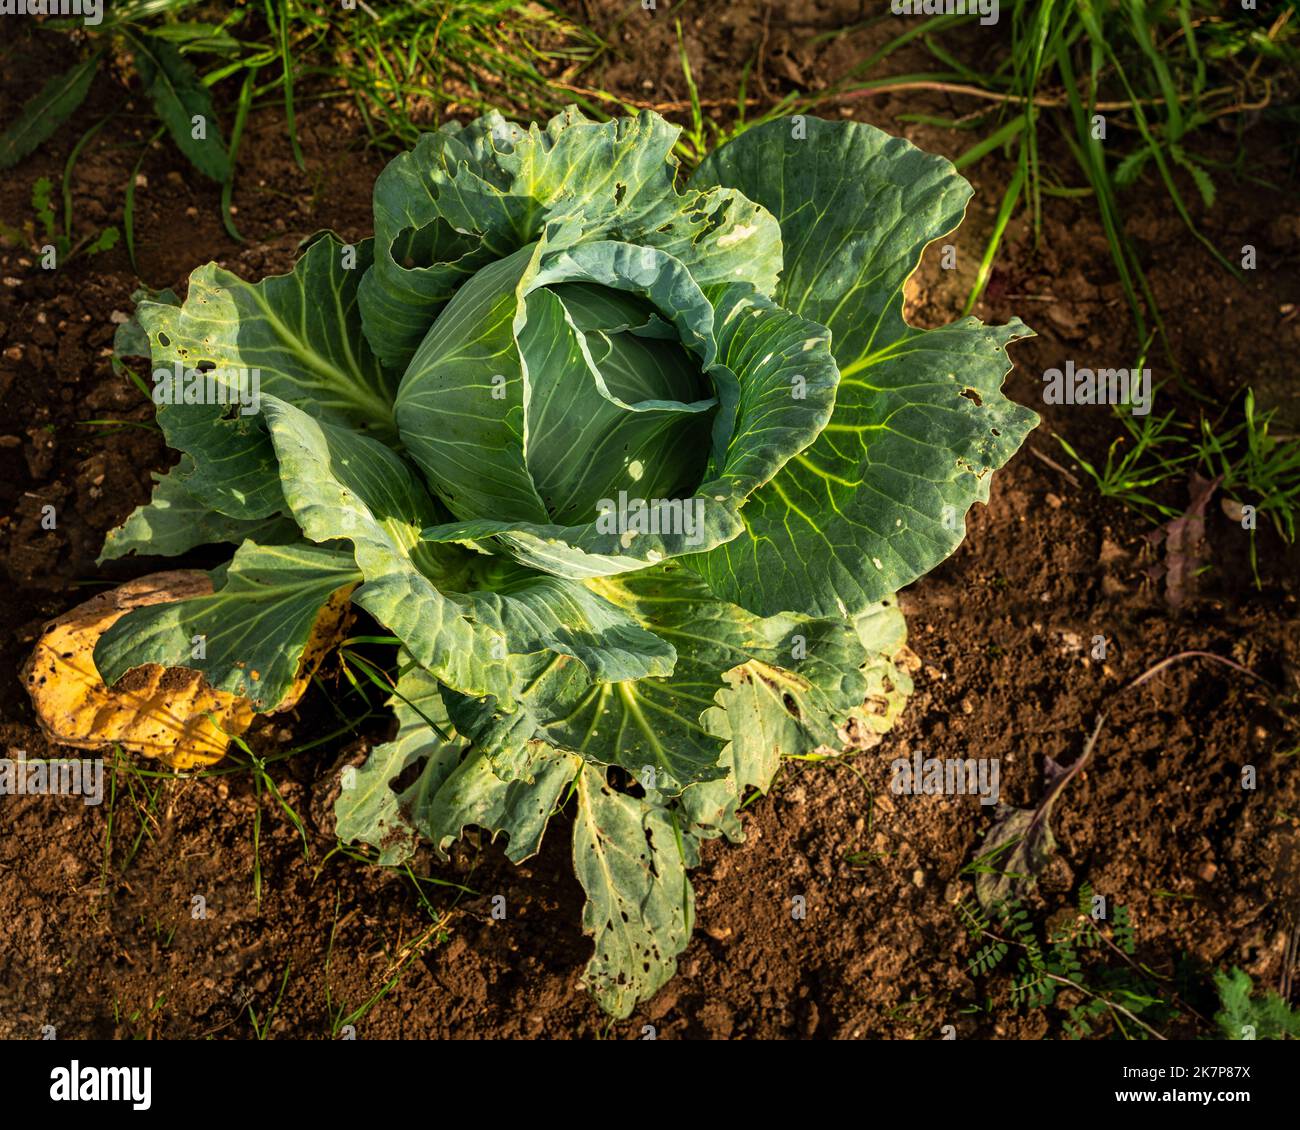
[299, 332]
[920, 419]
[368, 810]
[455, 789]
[640, 906]
[771, 712]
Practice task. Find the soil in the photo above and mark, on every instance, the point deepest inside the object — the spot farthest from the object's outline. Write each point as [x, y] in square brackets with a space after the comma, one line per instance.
[98, 933]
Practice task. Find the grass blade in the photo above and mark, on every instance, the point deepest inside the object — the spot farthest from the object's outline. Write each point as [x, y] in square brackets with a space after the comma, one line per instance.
[70, 164]
[286, 59]
[51, 107]
[236, 135]
[128, 210]
[1009, 200]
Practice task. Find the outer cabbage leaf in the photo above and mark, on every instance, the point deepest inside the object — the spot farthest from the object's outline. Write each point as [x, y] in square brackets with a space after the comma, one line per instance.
[302, 333]
[174, 521]
[454, 789]
[888, 673]
[630, 859]
[662, 724]
[474, 795]
[367, 809]
[254, 626]
[768, 713]
[920, 420]
[628, 852]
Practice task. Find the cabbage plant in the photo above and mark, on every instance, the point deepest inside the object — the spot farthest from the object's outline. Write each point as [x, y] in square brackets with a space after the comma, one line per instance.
[632, 466]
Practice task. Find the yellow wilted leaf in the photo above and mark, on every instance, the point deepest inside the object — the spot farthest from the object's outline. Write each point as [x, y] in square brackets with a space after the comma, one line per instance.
[169, 713]
[332, 623]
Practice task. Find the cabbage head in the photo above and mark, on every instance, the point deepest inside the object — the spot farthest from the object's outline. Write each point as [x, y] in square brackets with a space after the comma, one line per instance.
[629, 466]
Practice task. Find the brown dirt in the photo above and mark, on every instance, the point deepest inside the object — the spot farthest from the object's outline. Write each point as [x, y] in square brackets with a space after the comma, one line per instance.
[96, 933]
